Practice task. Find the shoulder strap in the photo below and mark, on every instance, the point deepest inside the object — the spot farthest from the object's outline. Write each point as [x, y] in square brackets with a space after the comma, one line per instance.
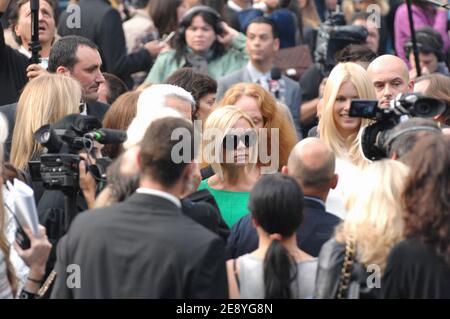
[346, 268]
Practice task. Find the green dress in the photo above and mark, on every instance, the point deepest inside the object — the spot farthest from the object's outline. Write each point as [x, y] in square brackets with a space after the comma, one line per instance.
[232, 205]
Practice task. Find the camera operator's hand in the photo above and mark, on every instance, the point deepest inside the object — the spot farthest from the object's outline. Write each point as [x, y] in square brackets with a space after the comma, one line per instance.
[34, 70]
[35, 257]
[88, 185]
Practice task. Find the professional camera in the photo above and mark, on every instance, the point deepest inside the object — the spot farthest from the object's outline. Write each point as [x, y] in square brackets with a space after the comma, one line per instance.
[58, 168]
[334, 35]
[377, 137]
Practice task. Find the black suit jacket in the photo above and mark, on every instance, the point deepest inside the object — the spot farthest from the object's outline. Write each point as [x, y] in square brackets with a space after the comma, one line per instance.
[143, 247]
[102, 25]
[13, 74]
[97, 109]
[317, 227]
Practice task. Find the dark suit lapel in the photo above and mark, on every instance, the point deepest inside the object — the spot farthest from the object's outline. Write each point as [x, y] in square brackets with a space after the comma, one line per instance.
[97, 109]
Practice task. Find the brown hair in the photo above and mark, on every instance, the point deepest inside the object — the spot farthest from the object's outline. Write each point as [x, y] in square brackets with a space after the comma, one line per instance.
[272, 116]
[119, 117]
[156, 150]
[427, 194]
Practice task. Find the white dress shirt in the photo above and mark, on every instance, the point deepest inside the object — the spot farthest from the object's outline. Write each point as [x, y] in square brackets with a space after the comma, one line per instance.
[165, 195]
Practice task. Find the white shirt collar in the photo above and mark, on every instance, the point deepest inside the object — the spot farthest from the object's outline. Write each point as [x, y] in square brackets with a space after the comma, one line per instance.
[25, 52]
[154, 192]
[255, 74]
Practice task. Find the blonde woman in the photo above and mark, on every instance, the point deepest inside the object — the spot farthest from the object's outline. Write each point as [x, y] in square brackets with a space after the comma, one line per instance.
[373, 226]
[347, 81]
[230, 147]
[32, 261]
[46, 99]
[265, 113]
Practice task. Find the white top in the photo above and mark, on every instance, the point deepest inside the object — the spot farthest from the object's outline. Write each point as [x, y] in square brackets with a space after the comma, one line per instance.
[348, 173]
[148, 191]
[25, 52]
[252, 283]
[10, 231]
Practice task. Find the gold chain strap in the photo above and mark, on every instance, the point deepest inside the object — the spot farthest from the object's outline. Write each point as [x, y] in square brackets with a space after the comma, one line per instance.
[46, 284]
[346, 268]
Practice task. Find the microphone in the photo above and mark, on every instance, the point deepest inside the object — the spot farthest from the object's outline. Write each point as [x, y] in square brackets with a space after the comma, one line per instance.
[108, 136]
[275, 83]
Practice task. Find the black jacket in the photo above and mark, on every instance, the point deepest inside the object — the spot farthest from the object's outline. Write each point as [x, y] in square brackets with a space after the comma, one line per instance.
[102, 25]
[13, 75]
[317, 227]
[143, 247]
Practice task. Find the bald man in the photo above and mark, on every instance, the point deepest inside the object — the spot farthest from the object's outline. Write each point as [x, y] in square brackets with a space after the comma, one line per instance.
[390, 76]
[312, 164]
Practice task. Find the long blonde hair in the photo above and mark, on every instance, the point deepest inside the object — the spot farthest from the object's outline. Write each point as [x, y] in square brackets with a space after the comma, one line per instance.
[4, 244]
[217, 125]
[45, 99]
[375, 213]
[345, 148]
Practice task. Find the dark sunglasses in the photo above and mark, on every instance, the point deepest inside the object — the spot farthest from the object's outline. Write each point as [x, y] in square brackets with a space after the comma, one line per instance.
[231, 140]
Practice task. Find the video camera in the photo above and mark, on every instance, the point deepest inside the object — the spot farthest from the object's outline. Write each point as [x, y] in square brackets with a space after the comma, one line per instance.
[377, 137]
[334, 35]
[59, 167]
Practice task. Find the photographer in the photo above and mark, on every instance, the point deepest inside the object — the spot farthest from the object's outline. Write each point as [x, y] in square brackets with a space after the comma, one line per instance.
[389, 76]
[44, 100]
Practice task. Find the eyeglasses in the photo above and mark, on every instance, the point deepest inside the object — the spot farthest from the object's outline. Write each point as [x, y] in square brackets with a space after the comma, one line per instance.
[231, 140]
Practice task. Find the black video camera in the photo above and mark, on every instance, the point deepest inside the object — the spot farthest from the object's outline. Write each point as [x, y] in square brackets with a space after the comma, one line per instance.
[59, 167]
[376, 137]
[334, 35]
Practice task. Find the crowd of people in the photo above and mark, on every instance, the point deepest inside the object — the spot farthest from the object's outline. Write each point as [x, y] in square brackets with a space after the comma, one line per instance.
[173, 154]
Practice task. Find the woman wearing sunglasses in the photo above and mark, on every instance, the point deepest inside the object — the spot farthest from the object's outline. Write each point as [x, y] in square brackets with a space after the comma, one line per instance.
[265, 113]
[230, 147]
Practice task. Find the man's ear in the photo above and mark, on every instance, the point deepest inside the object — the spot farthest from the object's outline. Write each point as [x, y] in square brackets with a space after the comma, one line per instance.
[276, 44]
[137, 155]
[394, 156]
[284, 170]
[334, 181]
[63, 70]
[411, 86]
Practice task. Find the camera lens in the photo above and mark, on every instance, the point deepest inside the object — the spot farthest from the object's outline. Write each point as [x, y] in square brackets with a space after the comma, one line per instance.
[422, 109]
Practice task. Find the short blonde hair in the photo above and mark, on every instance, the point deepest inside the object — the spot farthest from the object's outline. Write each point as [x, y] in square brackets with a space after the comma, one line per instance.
[375, 213]
[222, 120]
[346, 148]
[45, 99]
